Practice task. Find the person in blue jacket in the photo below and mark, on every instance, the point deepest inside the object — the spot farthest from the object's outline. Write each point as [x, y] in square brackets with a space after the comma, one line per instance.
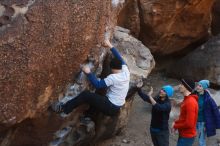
[117, 83]
[208, 115]
[161, 108]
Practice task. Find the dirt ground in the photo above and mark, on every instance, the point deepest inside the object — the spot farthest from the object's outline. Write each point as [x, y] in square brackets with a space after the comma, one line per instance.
[137, 131]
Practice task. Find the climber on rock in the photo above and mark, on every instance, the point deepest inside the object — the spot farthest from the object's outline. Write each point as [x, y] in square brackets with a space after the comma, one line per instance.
[117, 83]
[161, 108]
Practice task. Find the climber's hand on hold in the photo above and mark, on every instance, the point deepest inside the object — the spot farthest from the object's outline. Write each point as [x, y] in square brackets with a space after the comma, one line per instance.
[108, 44]
[86, 69]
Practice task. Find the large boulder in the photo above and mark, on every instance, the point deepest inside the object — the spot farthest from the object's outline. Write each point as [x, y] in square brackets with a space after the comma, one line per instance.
[170, 26]
[202, 63]
[42, 45]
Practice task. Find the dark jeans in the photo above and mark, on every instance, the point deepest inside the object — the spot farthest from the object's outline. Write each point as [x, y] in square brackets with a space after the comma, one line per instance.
[160, 138]
[100, 103]
[185, 141]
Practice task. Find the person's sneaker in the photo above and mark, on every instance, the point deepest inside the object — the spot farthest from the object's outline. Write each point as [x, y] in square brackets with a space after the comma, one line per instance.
[57, 107]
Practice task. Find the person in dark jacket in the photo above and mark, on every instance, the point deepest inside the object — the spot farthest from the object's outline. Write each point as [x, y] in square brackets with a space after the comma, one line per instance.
[208, 116]
[161, 108]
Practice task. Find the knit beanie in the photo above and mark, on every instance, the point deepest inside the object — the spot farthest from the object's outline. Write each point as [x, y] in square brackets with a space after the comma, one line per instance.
[169, 90]
[115, 64]
[204, 83]
[188, 84]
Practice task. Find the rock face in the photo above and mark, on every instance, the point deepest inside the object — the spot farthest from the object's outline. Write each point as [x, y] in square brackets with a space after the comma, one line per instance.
[202, 63]
[129, 17]
[42, 45]
[216, 18]
[167, 27]
[170, 26]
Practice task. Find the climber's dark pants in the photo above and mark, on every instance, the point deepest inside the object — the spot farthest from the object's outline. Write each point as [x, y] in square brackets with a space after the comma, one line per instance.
[100, 103]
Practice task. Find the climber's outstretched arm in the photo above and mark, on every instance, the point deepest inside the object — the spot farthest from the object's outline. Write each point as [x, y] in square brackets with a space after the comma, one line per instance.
[93, 79]
[115, 52]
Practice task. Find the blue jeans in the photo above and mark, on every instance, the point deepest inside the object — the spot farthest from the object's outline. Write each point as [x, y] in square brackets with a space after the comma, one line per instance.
[201, 134]
[185, 141]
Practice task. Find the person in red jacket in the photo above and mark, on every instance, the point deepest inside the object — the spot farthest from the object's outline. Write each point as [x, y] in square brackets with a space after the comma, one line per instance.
[186, 124]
